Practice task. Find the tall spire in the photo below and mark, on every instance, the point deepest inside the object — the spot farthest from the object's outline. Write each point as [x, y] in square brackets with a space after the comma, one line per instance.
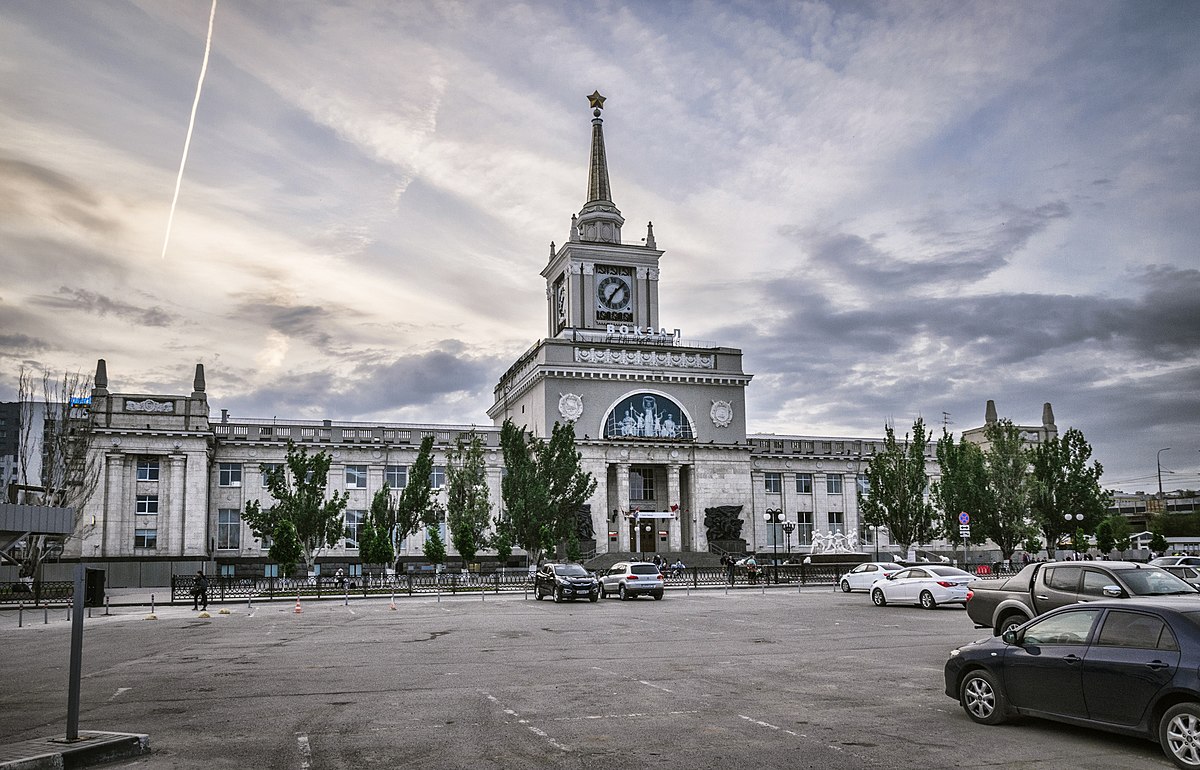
[599, 219]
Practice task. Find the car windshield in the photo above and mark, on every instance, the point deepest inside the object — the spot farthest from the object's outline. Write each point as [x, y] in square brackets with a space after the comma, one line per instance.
[643, 569]
[570, 570]
[1148, 581]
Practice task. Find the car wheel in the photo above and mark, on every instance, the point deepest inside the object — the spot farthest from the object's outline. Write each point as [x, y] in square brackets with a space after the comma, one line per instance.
[537, 593]
[558, 596]
[846, 586]
[621, 593]
[927, 600]
[1009, 622]
[878, 598]
[982, 699]
[658, 595]
[603, 593]
[594, 597]
[1178, 732]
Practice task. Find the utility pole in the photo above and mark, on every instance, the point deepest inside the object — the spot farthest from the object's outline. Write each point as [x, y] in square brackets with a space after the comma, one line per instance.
[1158, 462]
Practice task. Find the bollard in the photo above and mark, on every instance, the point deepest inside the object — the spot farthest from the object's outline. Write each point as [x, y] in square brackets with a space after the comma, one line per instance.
[106, 605]
[21, 615]
[45, 614]
[392, 606]
[151, 604]
[346, 597]
[249, 603]
[69, 610]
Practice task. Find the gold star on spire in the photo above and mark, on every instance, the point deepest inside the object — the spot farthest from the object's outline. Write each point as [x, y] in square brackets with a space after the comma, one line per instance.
[596, 100]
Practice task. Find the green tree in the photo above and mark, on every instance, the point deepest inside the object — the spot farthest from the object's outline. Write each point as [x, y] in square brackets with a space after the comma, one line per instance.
[963, 486]
[416, 507]
[302, 521]
[1064, 483]
[543, 488]
[1105, 542]
[1122, 534]
[468, 508]
[1006, 519]
[435, 547]
[1032, 545]
[1158, 543]
[375, 544]
[896, 482]
[568, 486]
[523, 491]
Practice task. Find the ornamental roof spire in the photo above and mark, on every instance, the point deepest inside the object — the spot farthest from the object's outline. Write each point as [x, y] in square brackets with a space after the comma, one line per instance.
[599, 219]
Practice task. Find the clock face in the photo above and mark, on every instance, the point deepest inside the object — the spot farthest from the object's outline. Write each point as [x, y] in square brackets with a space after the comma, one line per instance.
[613, 292]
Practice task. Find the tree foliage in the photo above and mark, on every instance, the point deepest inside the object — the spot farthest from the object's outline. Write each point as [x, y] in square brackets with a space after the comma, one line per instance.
[302, 521]
[416, 507]
[468, 507]
[375, 545]
[896, 484]
[1064, 483]
[963, 486]
[435, 547]
[1005, 519]
[54, 434]
[543, 488]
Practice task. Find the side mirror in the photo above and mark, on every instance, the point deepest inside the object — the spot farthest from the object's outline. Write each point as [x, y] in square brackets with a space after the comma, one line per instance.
[1112, 592]
[1009, 637]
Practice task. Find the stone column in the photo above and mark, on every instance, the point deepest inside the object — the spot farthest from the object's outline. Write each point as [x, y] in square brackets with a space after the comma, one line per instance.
[751, 517]
[118, 511]
[173, 528]
[675, 542]
[622, 505]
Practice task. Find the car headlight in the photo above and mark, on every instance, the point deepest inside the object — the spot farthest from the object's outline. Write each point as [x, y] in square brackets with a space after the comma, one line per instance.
[955, 653]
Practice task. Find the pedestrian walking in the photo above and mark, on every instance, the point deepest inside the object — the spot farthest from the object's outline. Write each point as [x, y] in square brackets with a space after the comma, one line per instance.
[200, 591]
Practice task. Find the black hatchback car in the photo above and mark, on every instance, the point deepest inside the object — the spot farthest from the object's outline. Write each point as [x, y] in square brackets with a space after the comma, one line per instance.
[565, 581]
[1129, 666]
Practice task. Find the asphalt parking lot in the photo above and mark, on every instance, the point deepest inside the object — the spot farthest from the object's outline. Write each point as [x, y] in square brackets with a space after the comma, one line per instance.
[811, 679]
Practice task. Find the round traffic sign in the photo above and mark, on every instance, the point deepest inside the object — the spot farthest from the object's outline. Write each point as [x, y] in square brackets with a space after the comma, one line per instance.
[964, 518]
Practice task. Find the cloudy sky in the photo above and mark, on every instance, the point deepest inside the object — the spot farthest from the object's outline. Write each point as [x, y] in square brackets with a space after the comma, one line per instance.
[894, 209]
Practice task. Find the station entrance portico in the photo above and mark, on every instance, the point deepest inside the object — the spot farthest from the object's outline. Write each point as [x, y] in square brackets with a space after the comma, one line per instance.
[650, 509]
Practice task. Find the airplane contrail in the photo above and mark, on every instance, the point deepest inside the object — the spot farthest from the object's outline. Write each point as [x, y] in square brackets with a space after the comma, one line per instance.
[191, 122]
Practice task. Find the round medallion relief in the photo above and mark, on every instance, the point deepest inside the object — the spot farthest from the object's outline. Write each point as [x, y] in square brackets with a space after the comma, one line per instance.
[721, 413]
[570, 406]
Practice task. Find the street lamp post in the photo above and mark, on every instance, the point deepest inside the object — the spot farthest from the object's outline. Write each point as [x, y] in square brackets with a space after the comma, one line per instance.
[788, 528]
[1073, 517]
[774, 516]
[1158, 462]
[646, 530]
[875, 538]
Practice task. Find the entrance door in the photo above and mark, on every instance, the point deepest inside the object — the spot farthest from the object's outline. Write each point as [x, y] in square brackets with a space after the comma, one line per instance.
[643, 536]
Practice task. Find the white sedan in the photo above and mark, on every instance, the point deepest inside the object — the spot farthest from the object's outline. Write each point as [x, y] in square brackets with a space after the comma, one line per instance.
[862, 577]
[927, 585]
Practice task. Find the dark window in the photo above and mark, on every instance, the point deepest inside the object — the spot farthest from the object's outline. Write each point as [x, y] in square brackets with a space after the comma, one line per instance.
[1063, 578]
[1133, 629]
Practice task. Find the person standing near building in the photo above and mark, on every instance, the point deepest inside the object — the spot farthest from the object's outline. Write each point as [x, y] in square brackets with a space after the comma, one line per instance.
[200, 591]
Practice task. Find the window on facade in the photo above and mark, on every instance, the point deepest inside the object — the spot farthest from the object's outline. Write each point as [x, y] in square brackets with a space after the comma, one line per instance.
[147, 469]
[229, 529]
[804, 527]
[396, 476]
[230, 475]
[147, 505]
[354, 570]
[356, 477]
[833, 484]
[437, 477]
[641, 485]
[271, 570]
[804, 483]
[145, 538]
[862, 485]
[354, 520]
[837, 521]
[266, 468]
[225, 570]
[773, 482]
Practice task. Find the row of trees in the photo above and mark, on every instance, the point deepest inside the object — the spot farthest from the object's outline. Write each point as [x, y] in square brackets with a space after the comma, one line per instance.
[542, 490]
[1015, 493]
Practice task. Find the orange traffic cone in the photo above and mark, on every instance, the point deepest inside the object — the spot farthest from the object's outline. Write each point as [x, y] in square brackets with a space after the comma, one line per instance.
[392, 606]
[297, 610]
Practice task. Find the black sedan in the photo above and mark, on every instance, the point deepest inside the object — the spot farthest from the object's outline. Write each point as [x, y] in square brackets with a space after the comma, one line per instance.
[1129, 666]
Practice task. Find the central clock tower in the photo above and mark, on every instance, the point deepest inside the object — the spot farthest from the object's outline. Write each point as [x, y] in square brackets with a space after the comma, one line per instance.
[593, 280]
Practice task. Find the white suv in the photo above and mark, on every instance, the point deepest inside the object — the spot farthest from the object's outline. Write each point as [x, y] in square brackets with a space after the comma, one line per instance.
[629, 579]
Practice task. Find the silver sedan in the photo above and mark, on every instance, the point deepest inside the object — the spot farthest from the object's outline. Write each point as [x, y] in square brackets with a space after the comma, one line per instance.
[928, 586]
[862, 577]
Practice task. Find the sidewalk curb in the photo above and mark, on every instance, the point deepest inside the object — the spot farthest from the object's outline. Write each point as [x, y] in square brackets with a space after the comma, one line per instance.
[93, 747]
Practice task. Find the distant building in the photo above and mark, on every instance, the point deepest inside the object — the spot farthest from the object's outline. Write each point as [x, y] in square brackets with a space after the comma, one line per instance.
[1030, 434]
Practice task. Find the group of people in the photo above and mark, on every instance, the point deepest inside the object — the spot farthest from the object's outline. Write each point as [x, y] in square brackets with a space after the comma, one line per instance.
[676, 569]
[730, 564]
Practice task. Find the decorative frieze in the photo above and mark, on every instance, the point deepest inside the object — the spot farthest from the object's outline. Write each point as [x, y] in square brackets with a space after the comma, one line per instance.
[663, 358]
[150, 405]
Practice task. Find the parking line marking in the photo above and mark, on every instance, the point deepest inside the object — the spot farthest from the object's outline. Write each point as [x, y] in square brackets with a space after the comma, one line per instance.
[770, 726]
[305, 751]
[525, 723]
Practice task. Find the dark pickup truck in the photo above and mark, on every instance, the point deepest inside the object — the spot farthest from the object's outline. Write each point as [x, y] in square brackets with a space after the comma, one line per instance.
[1007, 602]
